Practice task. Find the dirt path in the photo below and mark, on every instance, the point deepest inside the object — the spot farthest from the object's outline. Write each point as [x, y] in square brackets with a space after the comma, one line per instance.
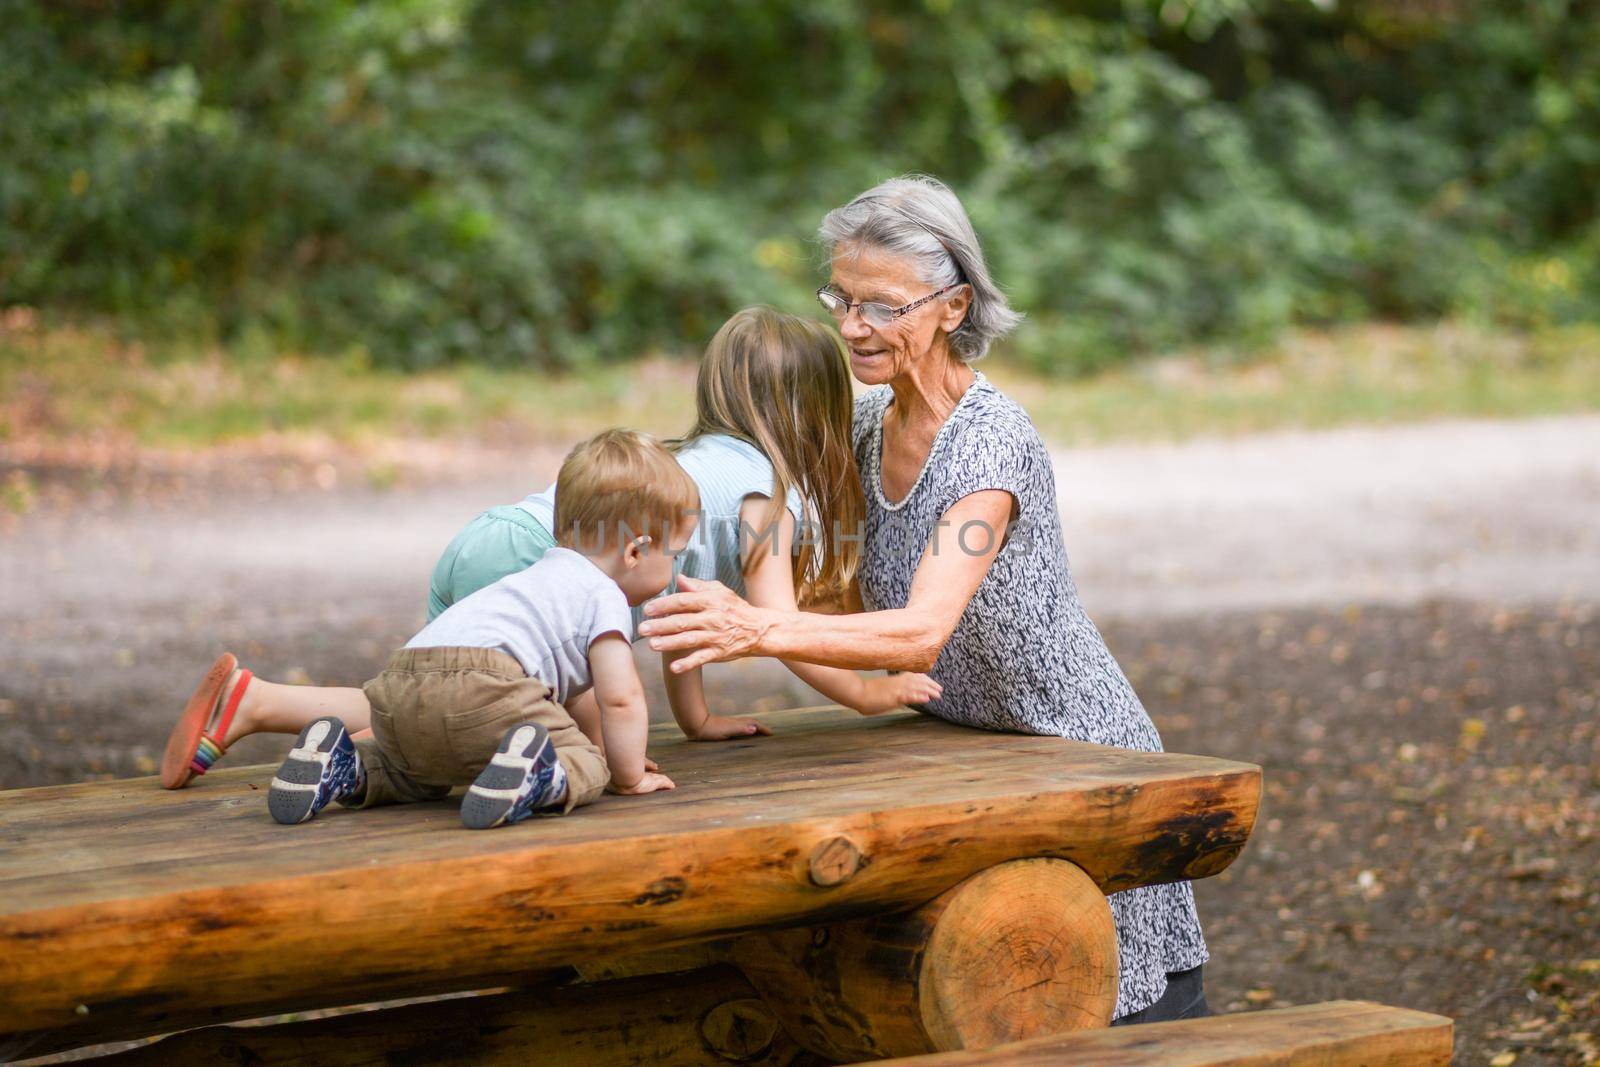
[106, 614]
[1401, 625]
[1494, 511]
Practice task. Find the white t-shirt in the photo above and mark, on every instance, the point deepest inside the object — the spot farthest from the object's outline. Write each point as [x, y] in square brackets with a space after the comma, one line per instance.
[545, 617]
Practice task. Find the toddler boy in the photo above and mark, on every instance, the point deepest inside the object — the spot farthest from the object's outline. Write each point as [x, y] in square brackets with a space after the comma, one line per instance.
[478, 695]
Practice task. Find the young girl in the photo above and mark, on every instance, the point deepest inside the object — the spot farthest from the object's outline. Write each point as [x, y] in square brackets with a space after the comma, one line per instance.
[771, 439]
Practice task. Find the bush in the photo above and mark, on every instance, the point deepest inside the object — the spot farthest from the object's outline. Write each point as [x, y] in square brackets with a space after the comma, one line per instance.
[556, 184]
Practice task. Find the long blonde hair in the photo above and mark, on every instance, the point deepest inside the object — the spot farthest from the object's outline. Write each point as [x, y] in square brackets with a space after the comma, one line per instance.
[782, 383]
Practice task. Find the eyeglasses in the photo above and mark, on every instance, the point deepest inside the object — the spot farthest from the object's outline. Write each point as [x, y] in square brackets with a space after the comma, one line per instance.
[873, 313]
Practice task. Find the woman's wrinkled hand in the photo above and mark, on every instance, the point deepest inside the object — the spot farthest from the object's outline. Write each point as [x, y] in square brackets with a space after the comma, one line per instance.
[708, 620]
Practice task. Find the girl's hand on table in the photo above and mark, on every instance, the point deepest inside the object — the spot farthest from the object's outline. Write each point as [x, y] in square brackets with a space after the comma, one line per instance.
[726, 728]
[893, 690]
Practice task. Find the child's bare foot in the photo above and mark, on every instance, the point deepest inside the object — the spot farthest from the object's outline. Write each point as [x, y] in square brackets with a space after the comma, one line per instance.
[230, 704]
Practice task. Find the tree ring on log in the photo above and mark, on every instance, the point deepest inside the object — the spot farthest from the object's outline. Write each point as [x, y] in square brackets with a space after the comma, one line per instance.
[739, 1030]
[1021, 949]
[834, 861]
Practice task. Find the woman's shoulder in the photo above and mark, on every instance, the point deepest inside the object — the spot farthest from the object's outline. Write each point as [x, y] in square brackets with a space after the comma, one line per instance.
[988, 418]
[990, 443]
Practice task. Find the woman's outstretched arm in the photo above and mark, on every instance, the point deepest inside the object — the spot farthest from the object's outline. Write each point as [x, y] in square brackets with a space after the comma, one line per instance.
[769, 583]
[711, 623]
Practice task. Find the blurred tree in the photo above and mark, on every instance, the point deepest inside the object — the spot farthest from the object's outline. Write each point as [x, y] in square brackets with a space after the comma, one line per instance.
[447, 179]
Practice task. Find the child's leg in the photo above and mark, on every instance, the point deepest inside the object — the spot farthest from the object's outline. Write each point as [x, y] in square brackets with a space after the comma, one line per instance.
[582, 759]
[412, 754]
[230, 703]
[327, 765]
[537, 757]
[387, 783]
[275, 708]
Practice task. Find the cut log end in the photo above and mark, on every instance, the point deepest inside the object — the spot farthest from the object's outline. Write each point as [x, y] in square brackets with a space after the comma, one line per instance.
[1021, 949]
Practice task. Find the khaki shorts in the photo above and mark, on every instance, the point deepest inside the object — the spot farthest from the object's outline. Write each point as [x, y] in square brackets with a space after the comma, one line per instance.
[439, 714]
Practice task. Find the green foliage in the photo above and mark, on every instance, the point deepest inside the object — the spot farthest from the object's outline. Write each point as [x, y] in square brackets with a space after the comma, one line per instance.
[437, 180]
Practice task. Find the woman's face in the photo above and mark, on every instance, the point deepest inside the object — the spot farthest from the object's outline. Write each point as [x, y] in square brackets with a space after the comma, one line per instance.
[878, 355]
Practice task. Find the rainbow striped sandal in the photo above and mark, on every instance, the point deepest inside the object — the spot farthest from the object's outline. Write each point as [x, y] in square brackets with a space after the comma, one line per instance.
[196, 741]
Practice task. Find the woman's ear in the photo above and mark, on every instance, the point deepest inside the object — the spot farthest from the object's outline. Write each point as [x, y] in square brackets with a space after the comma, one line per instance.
[956, 306]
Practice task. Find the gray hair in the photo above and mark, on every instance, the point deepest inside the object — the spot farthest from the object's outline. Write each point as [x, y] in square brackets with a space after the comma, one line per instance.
[918, 217]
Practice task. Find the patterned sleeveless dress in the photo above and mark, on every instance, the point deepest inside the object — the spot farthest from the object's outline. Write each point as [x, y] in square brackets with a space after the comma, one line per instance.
[1024, 656]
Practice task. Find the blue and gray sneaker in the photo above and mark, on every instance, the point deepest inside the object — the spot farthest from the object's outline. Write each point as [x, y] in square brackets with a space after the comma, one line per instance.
[523, 777]
[323, 766]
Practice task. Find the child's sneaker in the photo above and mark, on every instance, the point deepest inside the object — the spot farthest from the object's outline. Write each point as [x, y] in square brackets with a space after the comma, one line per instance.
[523, 776]
[323, 766]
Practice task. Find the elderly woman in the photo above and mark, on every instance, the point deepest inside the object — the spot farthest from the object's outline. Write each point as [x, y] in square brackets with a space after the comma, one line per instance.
[963, 573]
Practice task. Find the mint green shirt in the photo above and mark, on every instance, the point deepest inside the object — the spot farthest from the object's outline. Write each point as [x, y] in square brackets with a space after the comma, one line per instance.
[499, 542]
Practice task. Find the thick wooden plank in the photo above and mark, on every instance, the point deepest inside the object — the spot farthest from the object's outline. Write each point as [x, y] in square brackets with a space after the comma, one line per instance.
[705, 1018]
[1340, 1033]
[123, 906]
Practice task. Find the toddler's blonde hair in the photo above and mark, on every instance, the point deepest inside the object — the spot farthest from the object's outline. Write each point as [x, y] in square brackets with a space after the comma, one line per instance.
[618, 485]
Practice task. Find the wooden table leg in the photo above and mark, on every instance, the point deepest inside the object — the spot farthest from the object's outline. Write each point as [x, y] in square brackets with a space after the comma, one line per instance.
[1022, 949]
[705, 1018]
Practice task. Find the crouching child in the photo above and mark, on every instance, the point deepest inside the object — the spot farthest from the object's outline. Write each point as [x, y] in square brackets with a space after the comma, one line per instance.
[479, 696]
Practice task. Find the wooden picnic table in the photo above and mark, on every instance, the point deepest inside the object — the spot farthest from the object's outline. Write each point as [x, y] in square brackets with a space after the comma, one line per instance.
[854, 886]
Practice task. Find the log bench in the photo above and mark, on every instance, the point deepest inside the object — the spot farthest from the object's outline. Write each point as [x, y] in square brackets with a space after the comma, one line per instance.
[849, 888]
[1337, 1032]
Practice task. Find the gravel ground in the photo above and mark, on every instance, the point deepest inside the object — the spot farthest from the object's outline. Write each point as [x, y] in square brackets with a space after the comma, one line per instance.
[1429, 834]
[1400, 625]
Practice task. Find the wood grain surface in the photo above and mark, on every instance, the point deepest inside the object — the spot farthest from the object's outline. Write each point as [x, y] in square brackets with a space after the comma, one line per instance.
[128, 909]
